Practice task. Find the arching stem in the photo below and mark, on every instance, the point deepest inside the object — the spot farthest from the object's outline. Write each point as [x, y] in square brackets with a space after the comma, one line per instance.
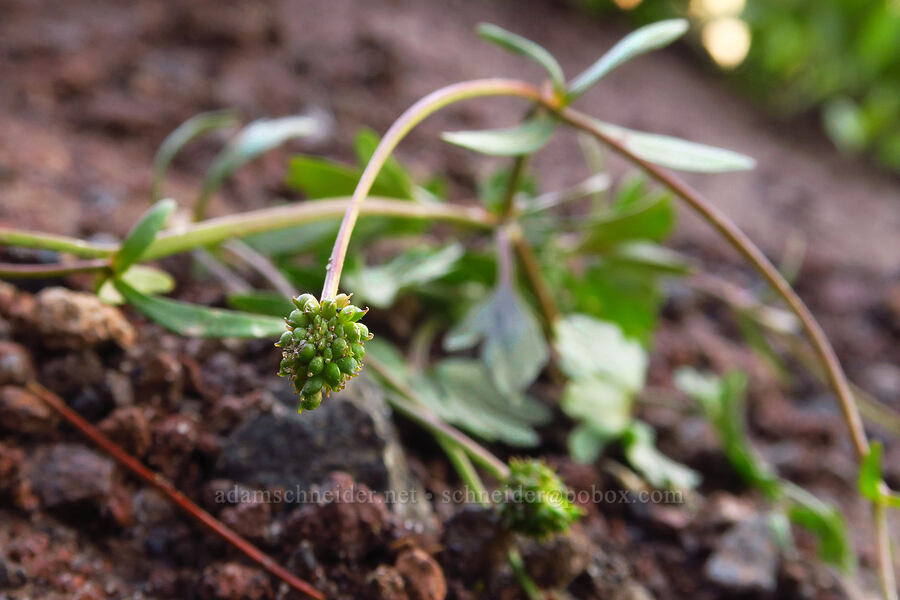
[414, 115]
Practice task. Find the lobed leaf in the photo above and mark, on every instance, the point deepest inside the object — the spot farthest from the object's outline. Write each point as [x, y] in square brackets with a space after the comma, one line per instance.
[191, 320]
[142, 235]
[638, 444]
[524, 47]
[379, 285]
[590, 348]
[526, 138]
[643, 40]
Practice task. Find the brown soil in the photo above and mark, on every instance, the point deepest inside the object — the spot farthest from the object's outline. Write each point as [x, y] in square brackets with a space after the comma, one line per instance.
[91, 88]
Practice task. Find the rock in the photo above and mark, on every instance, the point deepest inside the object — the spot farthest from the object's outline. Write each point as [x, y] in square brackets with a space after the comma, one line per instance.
[351, 432]
[23, 412]
[75, 320]
[70, 474]
[233, 581]
[386, 583]
[249, 519]
[129, 428]
[554, 563]
[422, 577]
[474, 542]
[746, 558]
[73, 372]
[347, 520]
[15, 364]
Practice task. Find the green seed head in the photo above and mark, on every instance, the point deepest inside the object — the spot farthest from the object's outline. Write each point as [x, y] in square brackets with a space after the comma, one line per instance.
[536, 502]
[322, 347]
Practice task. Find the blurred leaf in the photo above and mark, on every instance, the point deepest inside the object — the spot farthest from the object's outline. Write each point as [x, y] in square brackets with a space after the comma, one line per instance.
[191, 320]
[650, 218]
[604, 406]
[870, 473]
[652, 258]
[148, 280]
[261, 302]
[308, 237]
[526, 138]
[321, 178]
[472, 401]
[392, 174]
[492, 190]
[196, 126]
[258, 137]
[845, 124]
[379, 285]
[638, 443]
[640, 41]
[828, 525]
[589, 348]
[514, 349]
[142, 235]
[675, 153]
[527, 48]
[722, 401]
[585, 444]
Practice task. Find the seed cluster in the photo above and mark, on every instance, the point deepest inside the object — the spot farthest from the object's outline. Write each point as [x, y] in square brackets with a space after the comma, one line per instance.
[322, 347]
[536, 501]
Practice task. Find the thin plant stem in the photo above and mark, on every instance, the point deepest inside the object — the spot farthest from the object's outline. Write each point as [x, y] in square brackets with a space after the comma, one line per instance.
[161, 484]
[412, 408]
[57, 243]
[403, 125]
[464, 468]
[739, 240]
[535, 278]
[532, 591]
[885, 556]
[41, 271]
[515, 176]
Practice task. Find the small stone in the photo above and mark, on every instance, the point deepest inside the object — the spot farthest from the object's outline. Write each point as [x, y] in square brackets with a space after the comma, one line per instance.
[130, 428]
[554, 563]
[746, 558]
[70, 474]
[474, 542]
[233, 581]
[24, 413]
[15, 364]
[422, 576]
[249, 519]
[386, 583]
[67, 319]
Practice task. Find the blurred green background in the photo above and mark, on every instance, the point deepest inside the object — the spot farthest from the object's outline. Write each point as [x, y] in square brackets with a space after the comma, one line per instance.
[835, 60]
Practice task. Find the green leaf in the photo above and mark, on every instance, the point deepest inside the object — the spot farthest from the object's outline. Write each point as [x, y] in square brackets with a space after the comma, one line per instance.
[191, 129]
[600, 403]
[591, 348]
[722, 401]
[261, 302]
[191, 320]
[585, 444]
[321, 178]
[513, 349]
[526, 138]
[148, 280]
[649, 257]
[646, 39]
[650, 218]
[470, 400]
[142, 234]
[638, 444]
[676, 153]
[379, 285]
[525, 47]
[828, 525]
[392, 174]
[258, 137]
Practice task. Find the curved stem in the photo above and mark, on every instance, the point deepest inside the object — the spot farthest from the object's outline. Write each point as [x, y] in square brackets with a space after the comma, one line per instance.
[414, 115]
[739, 240]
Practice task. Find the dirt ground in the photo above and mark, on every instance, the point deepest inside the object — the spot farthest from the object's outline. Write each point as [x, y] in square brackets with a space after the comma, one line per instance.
[91, 88]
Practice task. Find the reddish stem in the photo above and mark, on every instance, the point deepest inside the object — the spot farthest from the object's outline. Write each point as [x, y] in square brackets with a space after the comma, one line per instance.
[163, 485]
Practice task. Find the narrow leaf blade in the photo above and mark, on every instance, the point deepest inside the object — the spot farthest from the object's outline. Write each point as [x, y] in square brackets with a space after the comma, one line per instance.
[148, 280]
[523, 46]
[528, 137]
[646, 39]
[191, 320]
[676, 153]
[142, 234]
